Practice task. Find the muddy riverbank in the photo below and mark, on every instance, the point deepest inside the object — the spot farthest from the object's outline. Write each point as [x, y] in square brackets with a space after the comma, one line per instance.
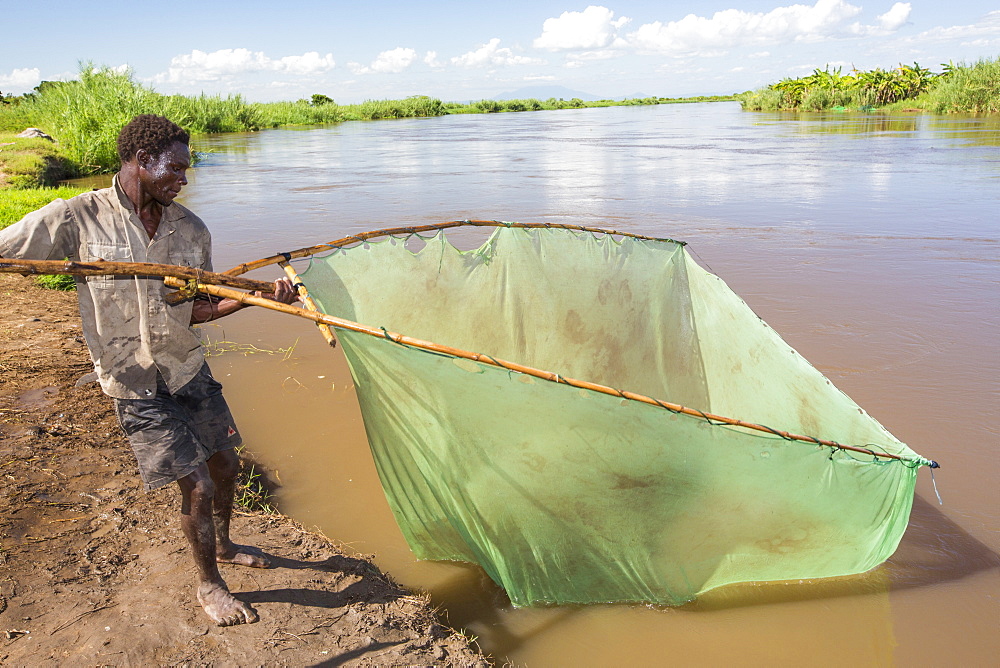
[93, 571]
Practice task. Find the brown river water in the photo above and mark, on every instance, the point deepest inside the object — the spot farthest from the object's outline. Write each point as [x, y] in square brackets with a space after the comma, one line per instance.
[870, 243]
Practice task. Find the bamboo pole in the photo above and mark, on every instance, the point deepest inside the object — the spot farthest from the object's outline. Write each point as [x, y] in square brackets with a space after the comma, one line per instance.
[341, 323]
[104, 268]
[308, 301]
[365, 236]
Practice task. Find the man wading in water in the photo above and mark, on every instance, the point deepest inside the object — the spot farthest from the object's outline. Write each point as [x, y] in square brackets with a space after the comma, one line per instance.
[145, 353]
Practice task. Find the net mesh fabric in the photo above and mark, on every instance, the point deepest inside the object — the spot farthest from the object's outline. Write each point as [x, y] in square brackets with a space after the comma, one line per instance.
[565, 495]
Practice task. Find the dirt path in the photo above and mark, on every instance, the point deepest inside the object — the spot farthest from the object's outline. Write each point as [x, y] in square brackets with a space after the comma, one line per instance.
[93, 571]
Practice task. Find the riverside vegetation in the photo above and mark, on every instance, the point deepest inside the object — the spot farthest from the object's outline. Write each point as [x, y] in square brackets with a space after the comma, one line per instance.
[956, 89]
[85, 114]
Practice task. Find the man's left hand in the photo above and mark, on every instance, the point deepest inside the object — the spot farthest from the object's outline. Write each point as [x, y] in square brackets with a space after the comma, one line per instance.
[283, 292]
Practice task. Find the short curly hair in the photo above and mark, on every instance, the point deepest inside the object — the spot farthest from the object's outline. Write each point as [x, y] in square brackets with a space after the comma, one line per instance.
[153, 133]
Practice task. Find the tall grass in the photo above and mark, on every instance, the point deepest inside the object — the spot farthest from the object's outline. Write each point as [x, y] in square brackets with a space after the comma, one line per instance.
[276, 114]
[85, 115]
[204, 114]
[962, 88]
[411, 107]
[533, 104]
[965, 88]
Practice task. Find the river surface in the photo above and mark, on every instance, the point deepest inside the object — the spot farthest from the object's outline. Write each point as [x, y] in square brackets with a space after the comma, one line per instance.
[871, 243]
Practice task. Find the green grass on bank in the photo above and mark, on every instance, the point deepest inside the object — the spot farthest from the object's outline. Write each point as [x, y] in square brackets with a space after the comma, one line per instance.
[29, 163]
[956, 89]
[532, 104]
[969, 89]
[16, 203]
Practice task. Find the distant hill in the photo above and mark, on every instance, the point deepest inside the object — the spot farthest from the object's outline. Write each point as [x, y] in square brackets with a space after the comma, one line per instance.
[545, 92]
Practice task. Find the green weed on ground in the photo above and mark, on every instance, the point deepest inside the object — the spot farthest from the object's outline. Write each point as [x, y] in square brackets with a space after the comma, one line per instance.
[253, 488]
[15, 203]
[56, 282]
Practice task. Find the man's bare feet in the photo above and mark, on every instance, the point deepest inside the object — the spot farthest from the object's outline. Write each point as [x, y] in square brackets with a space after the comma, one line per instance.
[223, 607]
[242, 555]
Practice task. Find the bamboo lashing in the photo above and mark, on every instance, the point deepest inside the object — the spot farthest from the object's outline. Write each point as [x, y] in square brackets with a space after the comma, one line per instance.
[105, 268]
[365, 236]
[308, 301]
[341, 323]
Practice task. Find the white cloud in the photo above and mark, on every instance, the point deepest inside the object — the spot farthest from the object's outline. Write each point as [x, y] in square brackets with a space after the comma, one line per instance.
[982, 43]
[491, 54]
[20, 80]
[596, 55]
[431, 59]
[392, 61]
[987, 28]
[308, 63]
[887, 23]
[896, 17]
[733, 28]
[202, 66]
[594, 28]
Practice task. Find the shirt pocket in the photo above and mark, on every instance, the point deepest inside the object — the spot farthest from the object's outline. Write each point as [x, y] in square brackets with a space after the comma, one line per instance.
[109, 252]
[191, 259]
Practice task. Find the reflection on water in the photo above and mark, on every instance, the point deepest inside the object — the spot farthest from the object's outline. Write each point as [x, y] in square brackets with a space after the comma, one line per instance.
[845, 123]
[955, 129]
[870, 243]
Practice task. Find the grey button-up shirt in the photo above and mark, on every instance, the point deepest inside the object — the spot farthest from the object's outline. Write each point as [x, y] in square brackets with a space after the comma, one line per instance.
[130, 330]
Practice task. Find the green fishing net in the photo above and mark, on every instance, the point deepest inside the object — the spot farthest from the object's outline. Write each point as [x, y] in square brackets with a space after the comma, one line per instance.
[568, 495]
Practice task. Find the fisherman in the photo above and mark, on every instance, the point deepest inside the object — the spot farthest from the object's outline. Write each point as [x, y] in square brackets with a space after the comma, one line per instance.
[146, 355]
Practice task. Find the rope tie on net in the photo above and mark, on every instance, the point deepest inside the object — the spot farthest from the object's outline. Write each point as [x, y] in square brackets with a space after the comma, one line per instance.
[305, 297]
[494, 360]
[658, 403]
[190, 289]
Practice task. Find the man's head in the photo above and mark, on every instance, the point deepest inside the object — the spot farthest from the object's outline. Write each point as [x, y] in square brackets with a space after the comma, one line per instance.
[155, 151]
[151, 133]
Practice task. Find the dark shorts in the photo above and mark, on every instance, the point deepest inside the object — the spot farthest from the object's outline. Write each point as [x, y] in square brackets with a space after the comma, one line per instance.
[173, 434]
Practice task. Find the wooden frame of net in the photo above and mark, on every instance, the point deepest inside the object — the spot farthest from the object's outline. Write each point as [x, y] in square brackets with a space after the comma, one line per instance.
[332, 321]
[222, 284]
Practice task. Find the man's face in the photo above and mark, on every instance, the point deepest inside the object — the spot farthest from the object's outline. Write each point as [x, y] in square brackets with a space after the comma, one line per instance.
[163, 176]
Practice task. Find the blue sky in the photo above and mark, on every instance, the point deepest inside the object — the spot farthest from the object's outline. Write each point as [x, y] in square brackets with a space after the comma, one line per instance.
[465, 50]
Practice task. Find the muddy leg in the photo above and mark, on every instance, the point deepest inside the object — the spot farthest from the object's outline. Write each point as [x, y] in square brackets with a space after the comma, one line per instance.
[223, 467]
[197, 492]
